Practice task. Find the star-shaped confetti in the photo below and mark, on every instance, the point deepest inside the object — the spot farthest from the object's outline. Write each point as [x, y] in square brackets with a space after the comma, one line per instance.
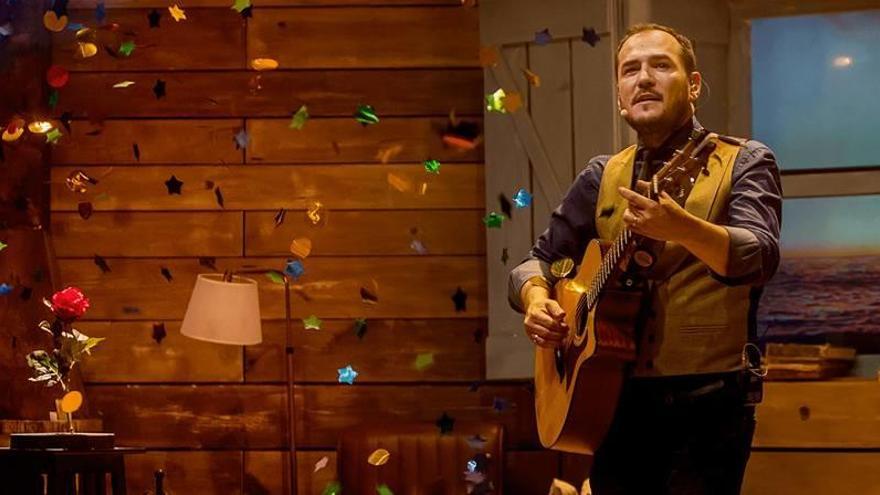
[53, 136]
[494, 101]
[153, 17]
[275, 277]
[126, 48]
[166, 273]
[534, 79]
[360, 327]
[460, 300]
[424, 361]
[432, 166]
[332, 488]
[543, 37]
[294, 268]
[366, 115]
[590, 36]
[100, 12]
[85, 209]
[500, 404]
[522, 198]
[445, 423]
[173, 185]
[5, 289]
[101, 263]
[159, 332]
[241, 139]
[504, 204]
[347, 375]
[417, 246]
[298, 121]
[177, 13]
[3, 245]
[159, 89]
[312, 323]
[504, 256]
[240, 5]
[493, 220]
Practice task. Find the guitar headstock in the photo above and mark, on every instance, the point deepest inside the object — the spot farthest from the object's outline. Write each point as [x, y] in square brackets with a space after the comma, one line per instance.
[678, 175]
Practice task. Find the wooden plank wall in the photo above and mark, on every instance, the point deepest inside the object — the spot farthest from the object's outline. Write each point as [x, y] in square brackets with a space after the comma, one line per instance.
[212, 416]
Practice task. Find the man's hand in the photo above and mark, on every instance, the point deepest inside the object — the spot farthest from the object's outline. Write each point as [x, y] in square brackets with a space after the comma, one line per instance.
[662, 220]
[544, 322]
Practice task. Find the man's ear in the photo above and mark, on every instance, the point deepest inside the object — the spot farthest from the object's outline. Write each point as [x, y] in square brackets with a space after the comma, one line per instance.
[695, 84]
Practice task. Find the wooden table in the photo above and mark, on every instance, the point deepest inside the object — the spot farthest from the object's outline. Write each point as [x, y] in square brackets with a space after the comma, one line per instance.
[24, 469]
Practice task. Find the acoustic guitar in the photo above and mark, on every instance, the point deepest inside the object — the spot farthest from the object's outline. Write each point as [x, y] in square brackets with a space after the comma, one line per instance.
[577, 384]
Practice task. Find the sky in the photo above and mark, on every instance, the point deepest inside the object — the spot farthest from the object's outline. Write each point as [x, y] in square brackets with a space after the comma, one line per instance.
[816, 89]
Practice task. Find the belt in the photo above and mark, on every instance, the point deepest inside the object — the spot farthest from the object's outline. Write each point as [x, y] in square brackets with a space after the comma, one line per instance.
[731, 387]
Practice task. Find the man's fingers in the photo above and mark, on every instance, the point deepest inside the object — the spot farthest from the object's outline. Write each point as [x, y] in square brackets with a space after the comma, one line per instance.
[635, 198]
[555, 309]
[544, 333]
[643, 187]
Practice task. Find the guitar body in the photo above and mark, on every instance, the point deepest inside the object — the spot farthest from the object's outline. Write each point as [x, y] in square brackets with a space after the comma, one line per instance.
[578, 385]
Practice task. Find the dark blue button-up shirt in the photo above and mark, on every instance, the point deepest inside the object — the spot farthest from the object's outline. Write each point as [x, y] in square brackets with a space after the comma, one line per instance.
[754, 216]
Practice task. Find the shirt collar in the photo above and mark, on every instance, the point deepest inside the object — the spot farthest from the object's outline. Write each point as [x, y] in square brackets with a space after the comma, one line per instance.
[675, 141]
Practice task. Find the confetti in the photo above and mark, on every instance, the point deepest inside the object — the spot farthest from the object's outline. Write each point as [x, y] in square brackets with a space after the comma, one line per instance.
[379, 457]
[57, 76]
[383, 490]
[301, 247]
[78, 181]
[424, 361]
[53, 136]
[275, 277]
[53, 99]
[417, 246]
[159, 89]
[321, 464]
[218, 194]
[494, 101]
[460, 300]
[5, 289]
[445, 423]
[368, 297]
[279, 217]
[123, 84]
[504, 256]
[512, 102]
[3, 245]
[241, 139]
[100, 12]
[298, 121]
[40, 126]
[13, 130]
[522, 198]
[174, 185]
[315, 212]
[166, 273]
[489, 56]
[387, 153]
[493, 220]
[136, 151]
[500, 404]
[126, 48]
[332, 488]
[312, 323]
[590, 36]
[159, 332]
[504, 204]
[153, 18]
[561, 267]
[360, 327]
[53, 22]
[101, 263]
[534, 79]
[85, 50]
[463, 136]
[241, 5]
[543, 37]
[177, 13]
[261, 64]
[366, 115]
[347, 375]
[85, 209]
[398, 182]
[432, 166]
[294, 268]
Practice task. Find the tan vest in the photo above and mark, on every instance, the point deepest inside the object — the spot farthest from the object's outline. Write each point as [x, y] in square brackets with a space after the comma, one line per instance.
[696, 323]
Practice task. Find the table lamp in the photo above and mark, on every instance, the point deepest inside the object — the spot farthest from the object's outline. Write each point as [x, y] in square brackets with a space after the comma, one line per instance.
[224, 308]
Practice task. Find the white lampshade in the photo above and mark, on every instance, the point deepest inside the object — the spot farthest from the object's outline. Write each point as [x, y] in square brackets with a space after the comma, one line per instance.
[223, 312]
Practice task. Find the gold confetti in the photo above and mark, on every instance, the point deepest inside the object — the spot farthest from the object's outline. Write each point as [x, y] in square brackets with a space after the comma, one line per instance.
[423, 188]
[315, 212]
[379, 457]
[562, 267]
[264, 64]
[40, 126]
[398, 182]
[53, 22]
[177, 13]
[71, 402]
[85, 50]
[301, 246]
[386, 153]
[123, 84]
[534, 79]
[14, 130]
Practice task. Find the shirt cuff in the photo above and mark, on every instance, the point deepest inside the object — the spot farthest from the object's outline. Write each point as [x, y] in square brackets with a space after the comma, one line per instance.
[744, 263]
[521, 274]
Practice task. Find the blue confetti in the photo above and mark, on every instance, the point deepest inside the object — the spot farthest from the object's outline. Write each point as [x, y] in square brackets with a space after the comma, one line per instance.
[347, 375]
[294, 268]
[75, 26]
[100, 12]
[522, 198]
[471, 466]
[5, 289]
[241, 139]
[543, 37]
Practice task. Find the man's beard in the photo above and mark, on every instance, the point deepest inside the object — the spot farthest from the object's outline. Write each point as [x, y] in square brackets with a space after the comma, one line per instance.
[664, 123]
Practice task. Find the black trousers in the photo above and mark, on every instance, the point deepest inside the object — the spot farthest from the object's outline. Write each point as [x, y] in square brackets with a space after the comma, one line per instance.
[687, 435]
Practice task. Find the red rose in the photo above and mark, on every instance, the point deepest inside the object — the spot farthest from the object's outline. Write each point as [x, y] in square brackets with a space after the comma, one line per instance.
[69, 304]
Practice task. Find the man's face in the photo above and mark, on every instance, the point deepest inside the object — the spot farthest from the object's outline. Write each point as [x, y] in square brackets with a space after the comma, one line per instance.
[652, 83]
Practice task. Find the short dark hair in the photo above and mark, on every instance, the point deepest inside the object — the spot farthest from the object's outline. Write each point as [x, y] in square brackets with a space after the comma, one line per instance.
[685, 45]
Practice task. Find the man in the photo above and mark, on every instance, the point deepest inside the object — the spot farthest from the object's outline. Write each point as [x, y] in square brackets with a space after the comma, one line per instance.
[685, 419]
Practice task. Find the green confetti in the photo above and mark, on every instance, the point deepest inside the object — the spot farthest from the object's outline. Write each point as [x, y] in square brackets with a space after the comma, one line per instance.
[383, 489]
[53, 99]
[332, 488]
[299, 118]
[240, 5]
[493, 220]
[365, 115]
[53, 136]
[126, 48]
[432, 166]
[495, 101]
[275, 277]
[312, 323]
[424, 361]
[3, 245]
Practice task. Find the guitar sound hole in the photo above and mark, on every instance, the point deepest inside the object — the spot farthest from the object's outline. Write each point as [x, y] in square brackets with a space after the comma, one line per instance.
[560, 364]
